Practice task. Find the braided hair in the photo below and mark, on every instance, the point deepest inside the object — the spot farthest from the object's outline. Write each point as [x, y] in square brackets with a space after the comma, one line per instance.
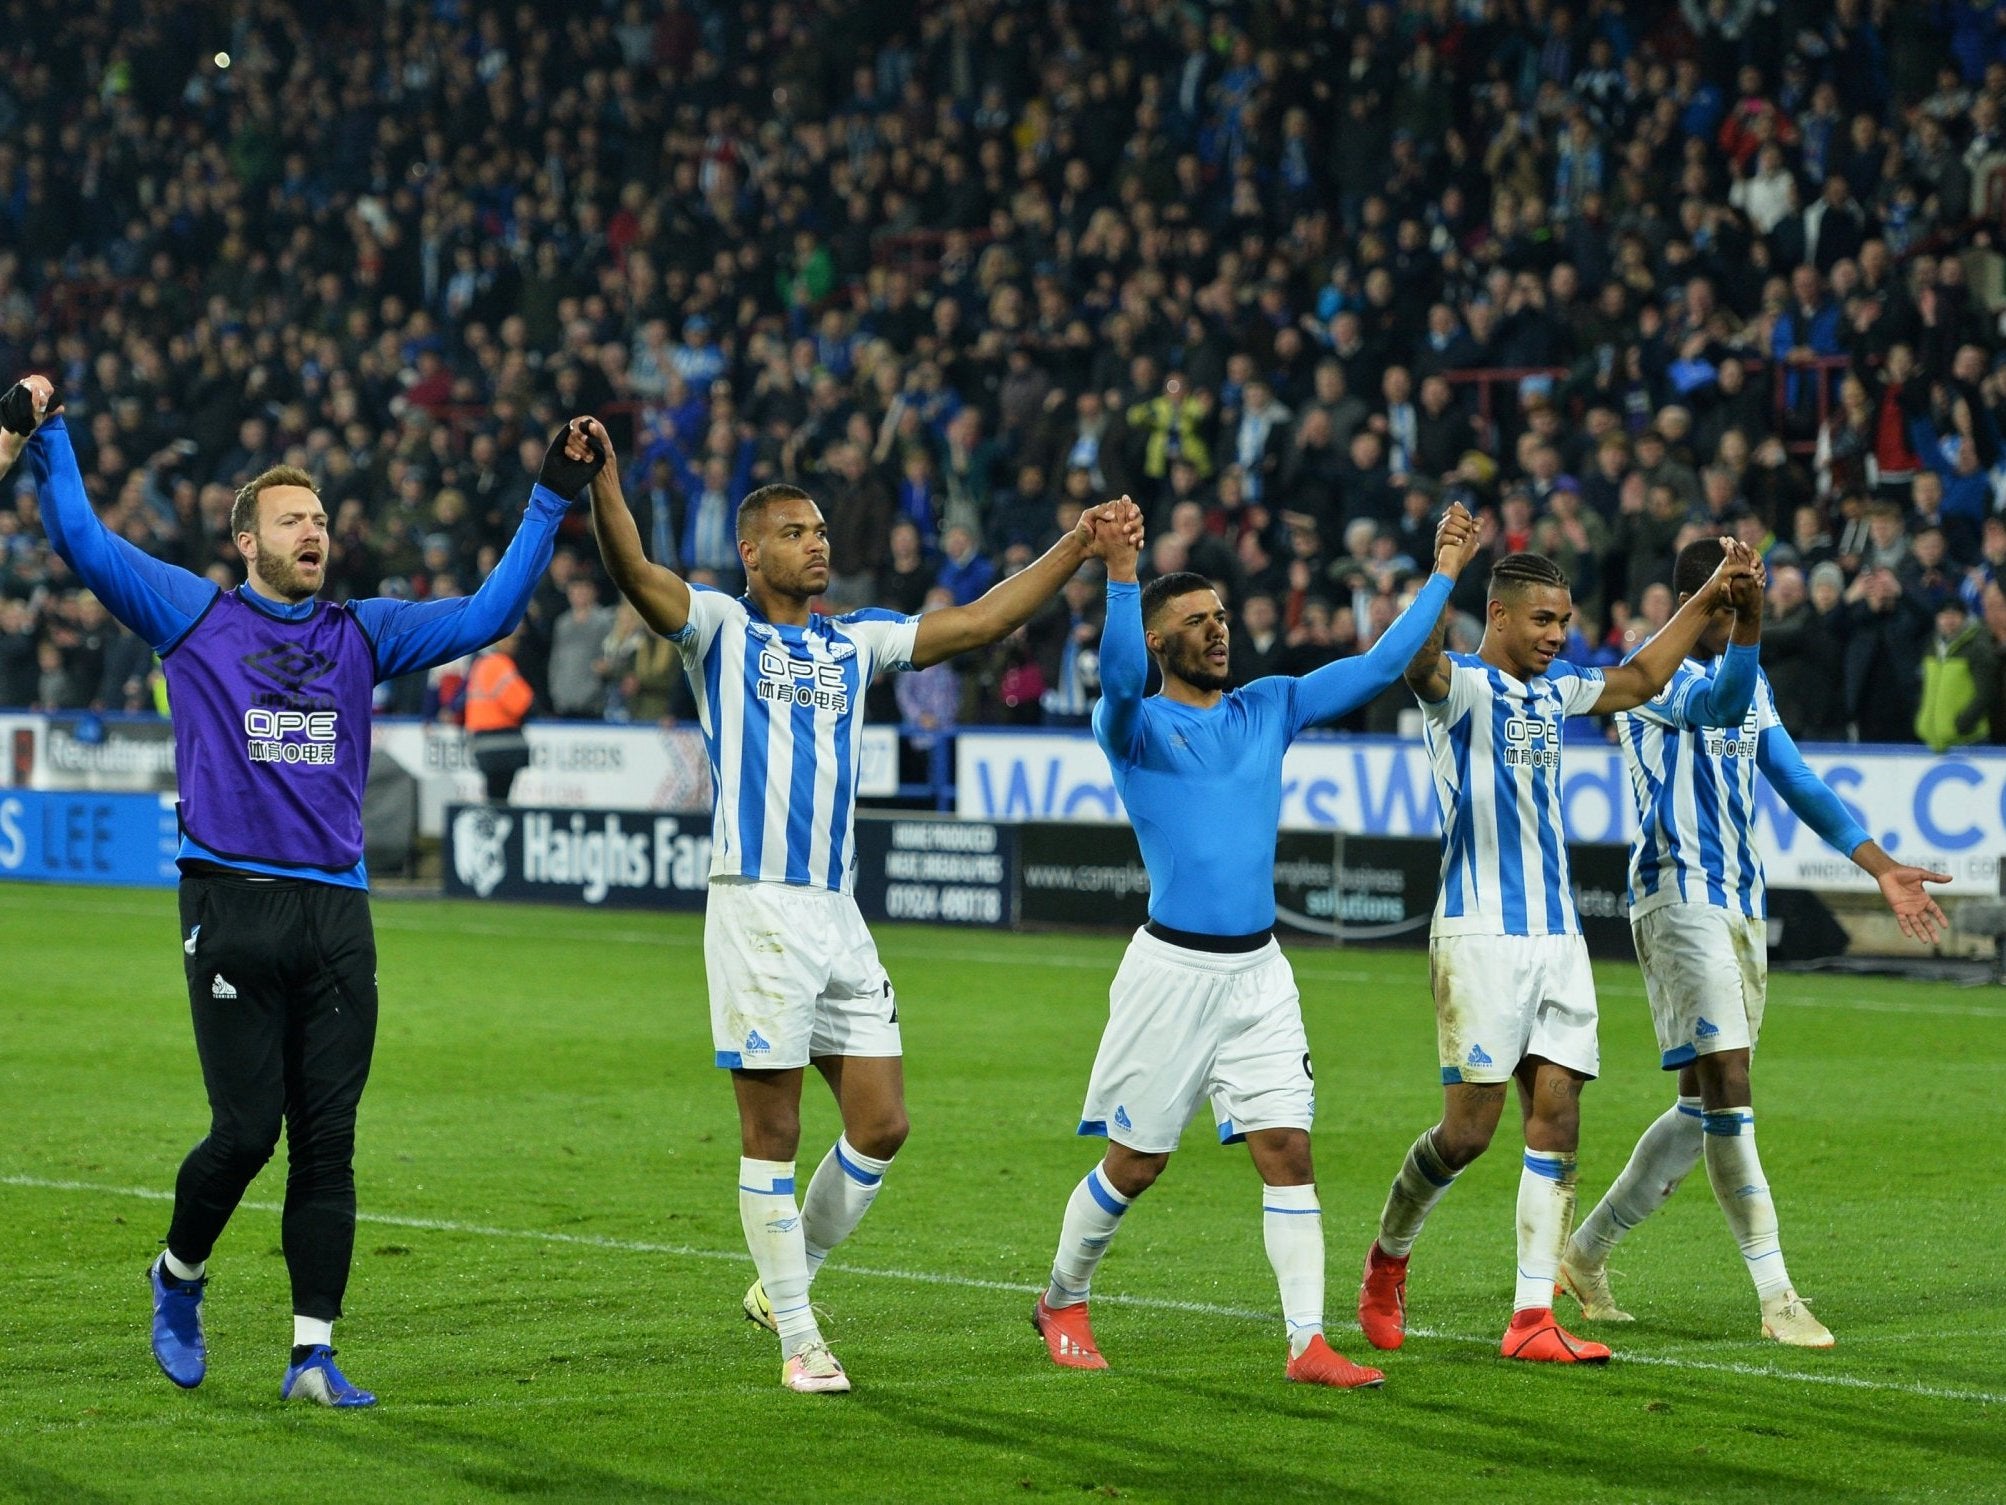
[1520, 572]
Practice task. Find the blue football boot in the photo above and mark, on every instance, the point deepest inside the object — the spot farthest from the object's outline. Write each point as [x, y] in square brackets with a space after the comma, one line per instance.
[315, 1378]
[177, 1326]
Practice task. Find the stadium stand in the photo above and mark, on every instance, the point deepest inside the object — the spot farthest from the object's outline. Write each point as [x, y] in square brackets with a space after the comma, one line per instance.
[1291, 274]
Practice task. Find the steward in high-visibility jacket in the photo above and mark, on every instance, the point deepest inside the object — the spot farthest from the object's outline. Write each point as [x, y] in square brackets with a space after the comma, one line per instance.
[498, 699]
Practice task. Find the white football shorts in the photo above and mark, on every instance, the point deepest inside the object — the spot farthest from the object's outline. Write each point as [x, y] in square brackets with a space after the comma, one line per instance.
[1501, 998]
[794, 976]
[1186, 1025]
[1706, 973]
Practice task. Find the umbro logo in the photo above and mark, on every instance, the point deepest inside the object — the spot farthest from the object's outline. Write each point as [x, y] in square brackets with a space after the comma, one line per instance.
[220, 988]
[1121, 1117]
[1705, 1030]
[289, 665]
[1477, 1057]
[756, 1043]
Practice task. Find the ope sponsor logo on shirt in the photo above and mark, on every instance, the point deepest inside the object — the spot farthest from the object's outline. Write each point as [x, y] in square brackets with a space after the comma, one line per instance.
[270, 735]
[1531, 743]
[784, 680]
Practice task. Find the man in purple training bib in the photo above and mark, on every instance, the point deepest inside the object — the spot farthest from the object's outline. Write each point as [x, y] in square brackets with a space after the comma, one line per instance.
[271, 693]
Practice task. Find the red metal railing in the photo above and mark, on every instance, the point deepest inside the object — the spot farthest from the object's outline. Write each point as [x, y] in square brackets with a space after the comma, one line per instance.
[1822, 372]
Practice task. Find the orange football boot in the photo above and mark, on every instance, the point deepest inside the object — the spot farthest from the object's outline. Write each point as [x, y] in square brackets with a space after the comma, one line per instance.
[1069, 1338]
[1537, 1338]
[1320, 1364]
[1382, 1299]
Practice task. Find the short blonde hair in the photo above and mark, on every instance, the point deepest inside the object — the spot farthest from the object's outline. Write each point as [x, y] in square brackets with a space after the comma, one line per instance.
[244, 510]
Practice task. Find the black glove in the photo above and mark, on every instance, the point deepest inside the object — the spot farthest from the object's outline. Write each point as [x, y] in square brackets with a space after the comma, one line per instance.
[17, 408]
[565, 476]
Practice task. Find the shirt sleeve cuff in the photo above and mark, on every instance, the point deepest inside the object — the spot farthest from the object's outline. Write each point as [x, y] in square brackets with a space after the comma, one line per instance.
[542, 498]
[1123, 587]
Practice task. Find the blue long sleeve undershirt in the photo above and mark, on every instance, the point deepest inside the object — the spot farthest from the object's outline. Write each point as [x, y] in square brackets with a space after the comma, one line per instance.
[1808, 796]
[161, 601]
[1729, 693]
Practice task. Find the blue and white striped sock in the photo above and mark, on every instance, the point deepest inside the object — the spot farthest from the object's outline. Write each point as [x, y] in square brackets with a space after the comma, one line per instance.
[1422, 1182]
[1545, 1209]
[1735, 1170]
[1093, 1213]
[772, 1226]
[839, 1194]
[1665, 1155]
[1292, 1227]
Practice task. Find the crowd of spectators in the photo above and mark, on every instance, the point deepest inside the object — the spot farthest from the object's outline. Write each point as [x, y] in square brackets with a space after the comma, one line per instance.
[960, 268]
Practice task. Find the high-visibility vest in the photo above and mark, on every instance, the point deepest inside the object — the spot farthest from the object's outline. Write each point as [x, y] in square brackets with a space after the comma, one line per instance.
[498, 697]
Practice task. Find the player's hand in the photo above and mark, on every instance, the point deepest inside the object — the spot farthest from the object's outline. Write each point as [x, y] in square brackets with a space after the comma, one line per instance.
[1112, 533]
[1455, 540]
[1744, 592]
[1736, 560]
[573, 458]
[595, 433]
[24, 407]
[1920, 917]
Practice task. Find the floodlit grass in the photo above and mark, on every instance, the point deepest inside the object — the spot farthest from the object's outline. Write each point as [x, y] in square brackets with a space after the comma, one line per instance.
[549, 1264]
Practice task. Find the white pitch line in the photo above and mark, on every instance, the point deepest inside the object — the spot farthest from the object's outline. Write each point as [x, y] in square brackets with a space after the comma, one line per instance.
[976, 1283]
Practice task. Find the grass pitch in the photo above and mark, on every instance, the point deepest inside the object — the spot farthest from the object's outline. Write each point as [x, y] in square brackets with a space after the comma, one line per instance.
[549, 1264]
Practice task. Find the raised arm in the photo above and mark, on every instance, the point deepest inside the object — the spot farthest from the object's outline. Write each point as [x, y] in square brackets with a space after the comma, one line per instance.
[1009, 604]
[1814, 803]
[1427, 672]
[1124, 660]
[656, 591]
[413, 635]
[1723, 699]
[157, 600]
[1650, 669]
[1340, 687]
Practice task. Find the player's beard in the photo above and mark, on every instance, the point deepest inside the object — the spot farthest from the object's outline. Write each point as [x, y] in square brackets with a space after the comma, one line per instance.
[281, 575]
[1192, 668]
[799, 585]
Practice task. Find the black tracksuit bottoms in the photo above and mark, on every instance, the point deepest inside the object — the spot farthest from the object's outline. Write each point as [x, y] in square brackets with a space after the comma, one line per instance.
[282, 984]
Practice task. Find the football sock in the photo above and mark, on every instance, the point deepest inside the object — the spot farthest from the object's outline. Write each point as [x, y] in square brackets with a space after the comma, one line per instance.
[1419, 1186]
[1545, 1209]
[772, 1226]
[308, 1331]
[840, 1193]
[1736, 1173]
[1093, 1212]
[1665, 1155]
[181, 1270]
[1292, 1225]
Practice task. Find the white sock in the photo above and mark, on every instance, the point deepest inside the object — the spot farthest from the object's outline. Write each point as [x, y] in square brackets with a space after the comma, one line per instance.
[311, 1331]
[1292, 1224]
[181, 1269]
[1422, 1180]
[1665, 1155]
[1545, 1209]
[772, 1226]
[1093, 1212]
[840, 1193]
[1736, 1173]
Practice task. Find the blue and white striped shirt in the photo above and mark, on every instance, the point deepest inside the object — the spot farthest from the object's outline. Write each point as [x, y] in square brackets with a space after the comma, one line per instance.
[1693, 781]
[1494, 743]
[782, 711]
